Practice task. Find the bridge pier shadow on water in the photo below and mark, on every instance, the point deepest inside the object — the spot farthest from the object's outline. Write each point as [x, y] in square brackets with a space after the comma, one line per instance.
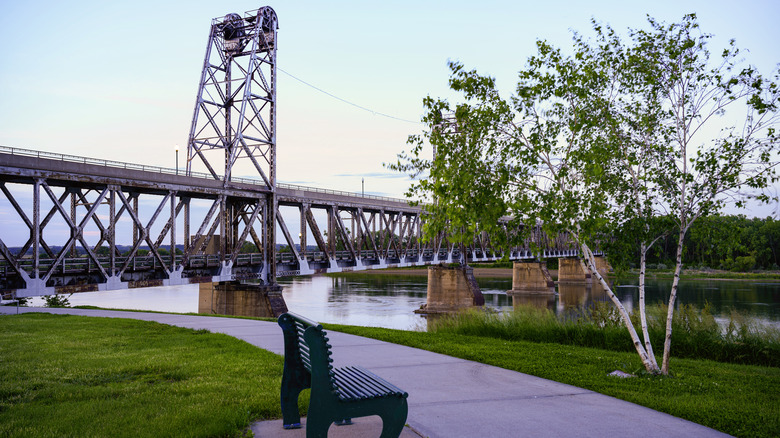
[563, 298]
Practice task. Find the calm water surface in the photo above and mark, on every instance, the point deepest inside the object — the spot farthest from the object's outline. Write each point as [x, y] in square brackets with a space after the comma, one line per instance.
[390, 300]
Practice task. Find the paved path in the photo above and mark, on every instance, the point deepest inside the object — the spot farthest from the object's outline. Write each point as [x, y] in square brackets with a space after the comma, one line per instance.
[449, 397]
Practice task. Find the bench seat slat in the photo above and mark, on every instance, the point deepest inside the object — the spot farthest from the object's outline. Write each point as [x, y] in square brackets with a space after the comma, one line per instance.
[374, 380]
[354, 383]
[365, 383]
[346, 391]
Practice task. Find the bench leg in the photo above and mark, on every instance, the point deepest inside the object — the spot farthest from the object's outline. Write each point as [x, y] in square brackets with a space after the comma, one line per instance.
[317, 425]
[394, 420]
[291, 418]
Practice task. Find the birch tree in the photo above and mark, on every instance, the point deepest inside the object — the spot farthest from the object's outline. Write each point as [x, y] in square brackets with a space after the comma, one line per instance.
[609, 138]
[717, 125]
[541, 158]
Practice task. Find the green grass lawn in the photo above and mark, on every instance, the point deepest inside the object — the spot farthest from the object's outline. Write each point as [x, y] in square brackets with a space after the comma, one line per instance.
[741, 400]
[84, 376]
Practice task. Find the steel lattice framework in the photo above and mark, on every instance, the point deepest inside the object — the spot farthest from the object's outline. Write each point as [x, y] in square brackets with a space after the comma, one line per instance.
[235, 118]
[235, 111]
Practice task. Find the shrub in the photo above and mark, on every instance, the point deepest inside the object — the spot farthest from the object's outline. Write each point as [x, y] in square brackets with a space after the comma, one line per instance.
[57, 300]
[743, 264]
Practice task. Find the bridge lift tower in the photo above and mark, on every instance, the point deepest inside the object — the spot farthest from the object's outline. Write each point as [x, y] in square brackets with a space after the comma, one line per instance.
[233, 131]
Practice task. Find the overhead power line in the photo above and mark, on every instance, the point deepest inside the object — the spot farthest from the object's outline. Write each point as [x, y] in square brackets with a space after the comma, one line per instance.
[376, 113]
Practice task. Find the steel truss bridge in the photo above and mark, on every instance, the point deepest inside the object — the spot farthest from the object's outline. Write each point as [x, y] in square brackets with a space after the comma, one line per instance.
[104, 204]
[93, 225]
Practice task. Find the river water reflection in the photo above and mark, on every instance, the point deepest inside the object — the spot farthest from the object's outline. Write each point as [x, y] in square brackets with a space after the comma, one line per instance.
[390, 300]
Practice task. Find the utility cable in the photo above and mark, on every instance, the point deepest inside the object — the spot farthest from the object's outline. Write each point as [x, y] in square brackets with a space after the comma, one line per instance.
[376, 113]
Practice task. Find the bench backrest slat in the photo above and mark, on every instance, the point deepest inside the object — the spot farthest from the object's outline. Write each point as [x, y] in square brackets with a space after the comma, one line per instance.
[296, 328]
[303, 348]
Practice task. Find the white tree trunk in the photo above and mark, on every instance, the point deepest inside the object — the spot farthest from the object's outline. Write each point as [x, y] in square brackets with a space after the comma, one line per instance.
[642, 307]
[672, 299]
[650, 365]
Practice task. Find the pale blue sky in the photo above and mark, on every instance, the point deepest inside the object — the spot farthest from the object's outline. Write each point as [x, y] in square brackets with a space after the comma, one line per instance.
[117, 80]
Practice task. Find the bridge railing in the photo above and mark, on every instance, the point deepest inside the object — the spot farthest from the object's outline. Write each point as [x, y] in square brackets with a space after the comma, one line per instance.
[339, 193]
[169, 171]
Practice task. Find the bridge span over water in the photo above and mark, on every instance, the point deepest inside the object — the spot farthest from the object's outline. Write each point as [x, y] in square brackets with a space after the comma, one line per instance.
[81, 224]
[80, 211]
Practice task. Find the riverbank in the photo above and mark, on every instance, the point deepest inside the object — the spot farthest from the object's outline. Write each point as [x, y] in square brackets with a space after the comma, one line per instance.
[687, 274]
[423, 271]
[712, 274]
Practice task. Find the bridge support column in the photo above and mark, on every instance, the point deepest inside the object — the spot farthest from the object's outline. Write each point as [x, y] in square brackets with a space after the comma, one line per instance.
[602, 265]
[305, 268]
[451, 289]
[234, 298]
[34, 287]
[531, 276]
[573, 270]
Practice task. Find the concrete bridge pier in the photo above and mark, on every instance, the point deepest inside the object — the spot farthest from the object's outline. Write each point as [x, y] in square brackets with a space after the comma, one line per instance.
[574, 270]
[304, 269]
[603, 266]
[531, 277]
[235, 298]
[451, 289]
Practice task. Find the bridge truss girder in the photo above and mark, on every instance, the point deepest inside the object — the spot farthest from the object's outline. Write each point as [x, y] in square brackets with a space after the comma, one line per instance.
[353, 235]
[177, 229]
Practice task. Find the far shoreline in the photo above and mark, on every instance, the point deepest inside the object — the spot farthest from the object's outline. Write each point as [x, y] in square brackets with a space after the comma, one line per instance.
[486, 272]
[478, 272]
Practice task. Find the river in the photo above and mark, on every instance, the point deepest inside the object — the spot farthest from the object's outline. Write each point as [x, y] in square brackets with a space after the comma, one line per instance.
[390, 300]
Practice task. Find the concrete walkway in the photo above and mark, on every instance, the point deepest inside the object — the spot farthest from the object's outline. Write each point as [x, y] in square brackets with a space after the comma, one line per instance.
[448, 397]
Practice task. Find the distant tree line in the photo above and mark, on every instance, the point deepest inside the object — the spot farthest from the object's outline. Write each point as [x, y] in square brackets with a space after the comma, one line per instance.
[729, 242]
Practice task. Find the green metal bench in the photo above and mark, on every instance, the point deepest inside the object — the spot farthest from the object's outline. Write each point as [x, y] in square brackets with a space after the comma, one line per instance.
[337, 394]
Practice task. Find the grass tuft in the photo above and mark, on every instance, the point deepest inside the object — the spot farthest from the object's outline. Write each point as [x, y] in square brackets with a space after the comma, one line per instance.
[695, 332]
